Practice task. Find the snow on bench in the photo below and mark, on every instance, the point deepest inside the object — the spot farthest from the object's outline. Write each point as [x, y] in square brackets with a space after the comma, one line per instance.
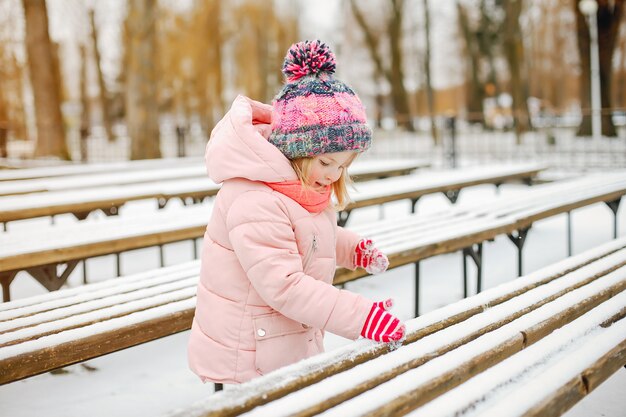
[449, 182]
[109, 199]
[564, 325]
[38, 334]
[41, 333]
[95, 194]
[407, 240]
[95, 168]
[119, 176]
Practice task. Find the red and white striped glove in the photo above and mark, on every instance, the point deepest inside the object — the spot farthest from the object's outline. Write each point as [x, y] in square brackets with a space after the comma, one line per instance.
[382, 326]
[368, 257]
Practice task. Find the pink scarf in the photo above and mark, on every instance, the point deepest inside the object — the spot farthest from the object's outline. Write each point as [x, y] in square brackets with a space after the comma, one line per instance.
[311, 200]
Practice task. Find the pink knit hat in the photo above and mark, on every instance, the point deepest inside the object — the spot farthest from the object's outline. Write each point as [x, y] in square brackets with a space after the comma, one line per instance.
[315, 113]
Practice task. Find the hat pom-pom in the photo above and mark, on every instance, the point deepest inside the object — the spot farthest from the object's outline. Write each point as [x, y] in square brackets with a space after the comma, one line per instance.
[308, 58]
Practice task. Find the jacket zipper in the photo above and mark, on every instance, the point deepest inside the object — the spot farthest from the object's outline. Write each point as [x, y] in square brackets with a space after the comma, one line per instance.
[309, 256]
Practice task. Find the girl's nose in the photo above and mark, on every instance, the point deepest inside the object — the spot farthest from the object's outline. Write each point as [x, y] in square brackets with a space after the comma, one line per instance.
[334, 175]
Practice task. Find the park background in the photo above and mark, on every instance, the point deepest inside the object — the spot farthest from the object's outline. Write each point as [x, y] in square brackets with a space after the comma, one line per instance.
[454, 83]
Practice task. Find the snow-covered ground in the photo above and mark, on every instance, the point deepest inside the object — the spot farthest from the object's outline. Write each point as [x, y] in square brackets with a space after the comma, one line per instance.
[152, 379]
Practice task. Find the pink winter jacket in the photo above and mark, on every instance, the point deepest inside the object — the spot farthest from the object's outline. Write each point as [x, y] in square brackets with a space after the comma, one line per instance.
[265, 295]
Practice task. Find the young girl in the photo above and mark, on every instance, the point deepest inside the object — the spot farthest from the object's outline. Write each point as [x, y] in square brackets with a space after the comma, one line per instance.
[265, 295]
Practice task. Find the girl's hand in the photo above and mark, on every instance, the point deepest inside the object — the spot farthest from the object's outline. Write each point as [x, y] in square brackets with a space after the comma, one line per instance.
[368, 257]
[382, 326]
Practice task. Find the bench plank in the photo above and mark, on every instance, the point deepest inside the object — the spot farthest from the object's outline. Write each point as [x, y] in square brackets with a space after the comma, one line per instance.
[67, 346]
[102, 196]
[404, 378]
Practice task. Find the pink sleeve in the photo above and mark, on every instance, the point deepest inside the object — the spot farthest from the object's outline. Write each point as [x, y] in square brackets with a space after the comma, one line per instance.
[346, 244]
[265, 244]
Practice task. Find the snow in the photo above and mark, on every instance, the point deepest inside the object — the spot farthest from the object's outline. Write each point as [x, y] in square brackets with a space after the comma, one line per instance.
[153, 378]
[92, 168]
[85, 181]
[430, 345]
[488, 388]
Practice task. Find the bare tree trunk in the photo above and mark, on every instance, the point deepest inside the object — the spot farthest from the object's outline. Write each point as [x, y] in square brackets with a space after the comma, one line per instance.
[394, 74]
[515, 57]
[609, 16]
[142, 112]
[50, 129]
[84, 101]
[104, 98]
[4, 126]
[475, 91]
[371, 42]
[398, 91]
[430, 98]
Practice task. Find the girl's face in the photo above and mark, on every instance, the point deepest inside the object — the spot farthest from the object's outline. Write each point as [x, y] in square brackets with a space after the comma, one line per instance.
[327, 168]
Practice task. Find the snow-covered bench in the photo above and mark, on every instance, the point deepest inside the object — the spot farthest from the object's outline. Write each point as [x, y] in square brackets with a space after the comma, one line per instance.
[134, 173]
[533, 346]
[411, 239]
[82, 195]
[95, 168]
[162, 301]
[41, 251]
[362, 170]
[448, 182]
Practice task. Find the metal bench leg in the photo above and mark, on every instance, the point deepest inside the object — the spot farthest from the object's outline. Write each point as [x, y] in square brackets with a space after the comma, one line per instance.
[614, 206]
[195, 248]
[118, 266]
[343, 217]
[161, 256]
[477, 256]
[84, 271]
[162, 202]
[417, 289]
[4, 226]
[414, 204]
[569, 233]
[518, 240]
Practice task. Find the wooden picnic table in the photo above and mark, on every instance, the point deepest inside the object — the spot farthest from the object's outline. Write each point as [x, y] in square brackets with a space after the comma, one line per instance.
[448, 182]
[73, 169]
[461, 340]
[531, 347]
[108, 198]
[407, 240]
[137, 174]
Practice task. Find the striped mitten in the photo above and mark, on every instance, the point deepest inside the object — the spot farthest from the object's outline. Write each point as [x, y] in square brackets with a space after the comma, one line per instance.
[382, 326]
[368, 257]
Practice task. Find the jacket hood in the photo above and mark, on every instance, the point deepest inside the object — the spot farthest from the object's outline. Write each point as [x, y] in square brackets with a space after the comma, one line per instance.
[238, 147]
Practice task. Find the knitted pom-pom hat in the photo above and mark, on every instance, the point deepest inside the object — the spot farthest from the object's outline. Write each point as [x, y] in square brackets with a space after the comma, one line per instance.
[315, 113]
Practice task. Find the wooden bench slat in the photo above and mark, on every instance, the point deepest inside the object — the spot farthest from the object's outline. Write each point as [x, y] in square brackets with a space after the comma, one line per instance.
[584, 328]
[102, 196]
[116, 178]
[588, 361]
[434, 364]
[37, 303]
[40, 355]
[75, 310]
[96, 168]
[476, 304]
[107, 312]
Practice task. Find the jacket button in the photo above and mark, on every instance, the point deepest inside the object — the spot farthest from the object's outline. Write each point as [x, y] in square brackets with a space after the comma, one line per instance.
[260, 332]
[305, 326]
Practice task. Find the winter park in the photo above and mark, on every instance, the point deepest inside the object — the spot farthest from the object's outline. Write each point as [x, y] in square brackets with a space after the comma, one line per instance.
[292, 208]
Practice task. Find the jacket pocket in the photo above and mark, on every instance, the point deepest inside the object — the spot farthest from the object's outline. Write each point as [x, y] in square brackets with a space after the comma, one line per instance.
[280, 341]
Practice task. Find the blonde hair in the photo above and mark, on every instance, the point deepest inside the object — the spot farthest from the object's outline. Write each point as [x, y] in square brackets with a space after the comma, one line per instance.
[339, 188]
